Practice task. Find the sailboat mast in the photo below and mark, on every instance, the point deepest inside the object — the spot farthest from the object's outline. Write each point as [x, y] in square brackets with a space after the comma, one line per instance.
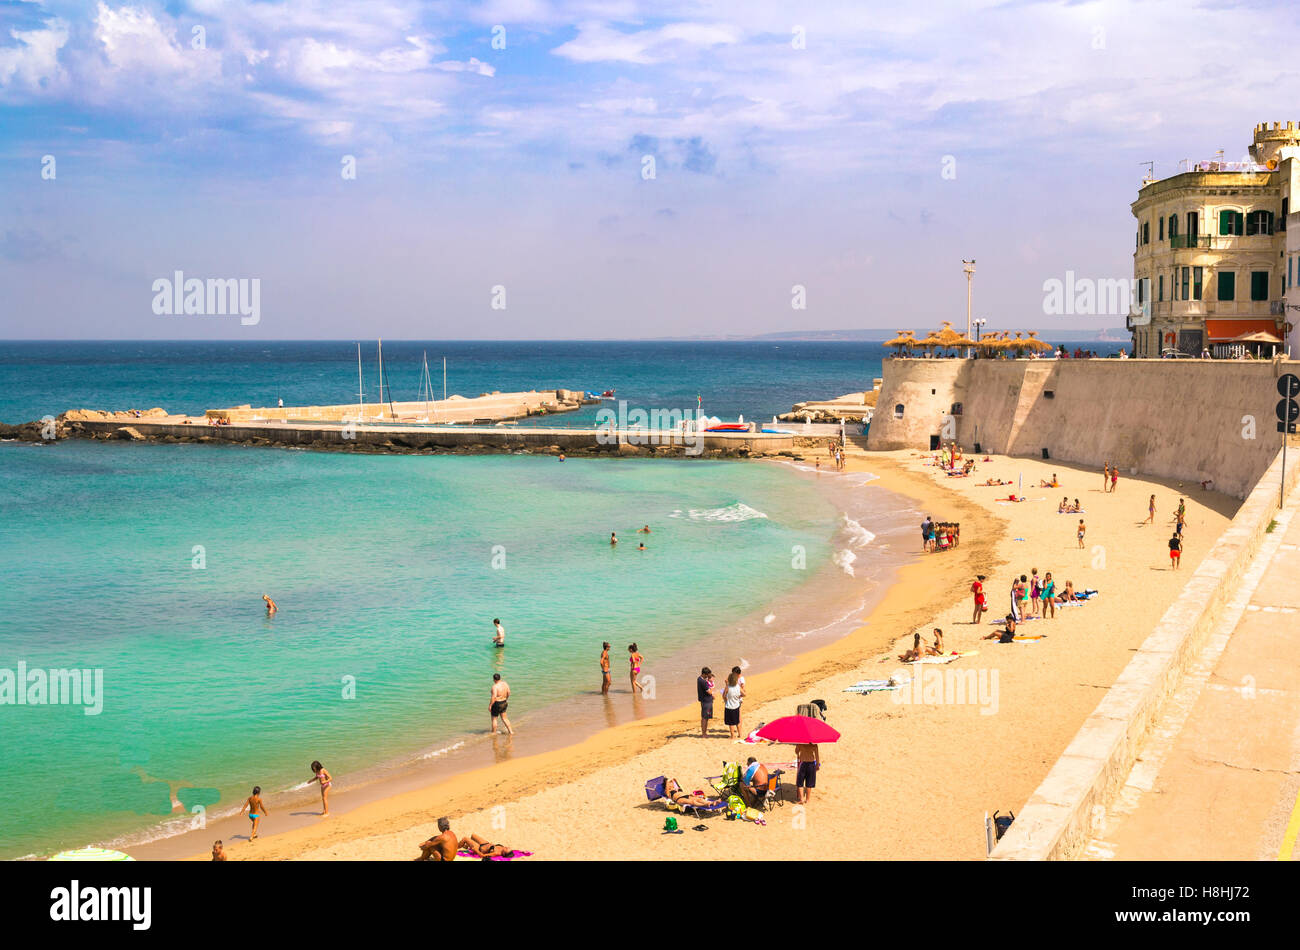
[444, 379]
[361, 388]
[381, 379]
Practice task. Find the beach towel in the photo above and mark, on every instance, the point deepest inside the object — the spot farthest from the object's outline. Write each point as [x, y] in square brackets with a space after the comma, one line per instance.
[1039, 636]
[876, 686]
[497, 857]
[935, 659]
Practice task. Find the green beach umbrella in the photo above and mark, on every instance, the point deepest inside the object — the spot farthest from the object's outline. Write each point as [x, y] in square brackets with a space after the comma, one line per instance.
[92, 854]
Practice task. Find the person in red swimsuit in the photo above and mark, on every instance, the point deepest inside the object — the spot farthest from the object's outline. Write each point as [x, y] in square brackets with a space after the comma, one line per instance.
[978, 590]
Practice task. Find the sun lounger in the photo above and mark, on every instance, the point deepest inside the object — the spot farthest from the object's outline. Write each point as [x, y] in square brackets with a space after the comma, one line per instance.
[654, 791]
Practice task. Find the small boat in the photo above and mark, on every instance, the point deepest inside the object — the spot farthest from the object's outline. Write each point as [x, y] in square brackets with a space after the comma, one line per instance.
[778, 431]
[729, 427]
[607, 394]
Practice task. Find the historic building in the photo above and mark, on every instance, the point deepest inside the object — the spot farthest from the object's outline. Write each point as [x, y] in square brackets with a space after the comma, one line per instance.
[1216, 263]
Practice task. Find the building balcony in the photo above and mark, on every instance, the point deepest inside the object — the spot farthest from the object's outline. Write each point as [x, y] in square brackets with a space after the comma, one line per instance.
[1190, 241]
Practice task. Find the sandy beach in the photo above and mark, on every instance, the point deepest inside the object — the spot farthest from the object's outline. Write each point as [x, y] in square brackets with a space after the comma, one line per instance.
[907, 779]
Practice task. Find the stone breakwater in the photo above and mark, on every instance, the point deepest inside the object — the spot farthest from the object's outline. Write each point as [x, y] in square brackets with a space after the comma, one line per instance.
[394, 438]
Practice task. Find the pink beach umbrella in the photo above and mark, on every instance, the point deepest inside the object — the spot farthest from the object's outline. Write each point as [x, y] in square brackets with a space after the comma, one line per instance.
[797, 730]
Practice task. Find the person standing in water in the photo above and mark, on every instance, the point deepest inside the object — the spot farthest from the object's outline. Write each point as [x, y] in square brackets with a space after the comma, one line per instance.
[271, 608]
[634, 663]
[645, 529]
[323, 776]
[613, 538]
[499, 701]
[604, 669]
[256, 809]
[500, 638]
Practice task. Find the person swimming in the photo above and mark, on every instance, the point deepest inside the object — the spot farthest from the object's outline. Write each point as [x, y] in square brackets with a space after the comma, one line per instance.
[641, 546]
[270, 605]
[613, 538]
[499, 639]
[643, 530]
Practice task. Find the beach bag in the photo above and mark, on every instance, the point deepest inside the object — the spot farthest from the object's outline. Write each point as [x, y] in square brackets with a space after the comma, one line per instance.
[1002, 823]
[730, 775]
[670, 824]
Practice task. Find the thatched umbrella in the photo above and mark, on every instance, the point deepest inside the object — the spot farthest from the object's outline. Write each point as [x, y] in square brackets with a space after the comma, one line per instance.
[1034, 343]
[931, 341]
[906, 339]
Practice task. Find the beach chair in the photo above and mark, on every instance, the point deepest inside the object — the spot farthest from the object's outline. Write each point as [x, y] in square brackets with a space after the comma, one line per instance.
[813, 710]
[654, 791]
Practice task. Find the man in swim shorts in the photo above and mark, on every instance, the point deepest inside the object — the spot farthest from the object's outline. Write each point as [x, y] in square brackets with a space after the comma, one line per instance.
[500, 700]
[1175, 551]
[442, 847]
[704, 693]
[500, 638]
[604, 668]
[809, 760]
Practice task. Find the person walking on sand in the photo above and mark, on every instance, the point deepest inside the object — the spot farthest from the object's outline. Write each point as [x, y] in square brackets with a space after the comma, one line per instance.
[271, 608]
[1105, 478]
[634, 664]
[809, 759]
[1180, 521]
[604, 669]
[499, 640]
[704, 693]
[500, 701]
[978, 590]
[1175, 552]
[927, 532]
[1151, 511]
[1114, 478]
[322, 775]
[732, 696]
[256, 809]
[1083, 529]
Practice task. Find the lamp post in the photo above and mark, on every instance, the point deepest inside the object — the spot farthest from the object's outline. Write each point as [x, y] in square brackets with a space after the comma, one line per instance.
[979, 326]
[969, 268]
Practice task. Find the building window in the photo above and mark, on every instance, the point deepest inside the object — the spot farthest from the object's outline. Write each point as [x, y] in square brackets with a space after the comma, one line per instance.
[1142, 286]
[1259, 285]
[1173, 226]
[1231, 222]
[1197, 273]
[1162, 229]
[1227, 285]
[1281, 221]
[898, 411]
[1146, 232]
[956, 409]
[1289, 262]
[1161, 288]
[1193, 227]
[1187, 287]
[1259, 222]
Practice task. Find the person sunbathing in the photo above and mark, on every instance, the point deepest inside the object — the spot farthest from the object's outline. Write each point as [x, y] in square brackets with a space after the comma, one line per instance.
[674, 792]
[1044, 483]
[1068, 596]
[1006, 634]
[483, 848]
[937, 649]
[914, 654]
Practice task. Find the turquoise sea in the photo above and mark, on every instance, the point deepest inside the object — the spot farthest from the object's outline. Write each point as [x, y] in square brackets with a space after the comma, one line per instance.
[148, 562]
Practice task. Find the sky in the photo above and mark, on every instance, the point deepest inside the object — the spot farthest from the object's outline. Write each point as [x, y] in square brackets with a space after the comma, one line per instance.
[524, 169]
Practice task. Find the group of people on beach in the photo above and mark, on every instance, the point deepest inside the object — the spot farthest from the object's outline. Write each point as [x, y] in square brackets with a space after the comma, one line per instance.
[939, 536]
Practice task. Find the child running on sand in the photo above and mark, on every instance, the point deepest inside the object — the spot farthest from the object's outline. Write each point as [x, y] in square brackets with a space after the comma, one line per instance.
[256, 809]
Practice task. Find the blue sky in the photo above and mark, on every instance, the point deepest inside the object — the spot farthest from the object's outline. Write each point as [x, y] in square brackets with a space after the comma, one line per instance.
[792, 146]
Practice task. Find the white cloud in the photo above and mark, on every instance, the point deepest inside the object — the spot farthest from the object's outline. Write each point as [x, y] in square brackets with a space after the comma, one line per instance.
[472, 65]
[36, 59]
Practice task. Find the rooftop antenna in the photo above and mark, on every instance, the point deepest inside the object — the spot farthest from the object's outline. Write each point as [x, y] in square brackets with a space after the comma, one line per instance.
[1151, 172]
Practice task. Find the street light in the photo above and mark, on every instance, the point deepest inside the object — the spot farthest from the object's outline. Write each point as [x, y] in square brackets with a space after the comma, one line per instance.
[979, 326]
[969, 269]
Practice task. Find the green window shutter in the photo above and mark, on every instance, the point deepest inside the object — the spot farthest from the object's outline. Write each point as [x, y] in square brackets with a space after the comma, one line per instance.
[1227, 285]
[1225, 222]
[1259, 285]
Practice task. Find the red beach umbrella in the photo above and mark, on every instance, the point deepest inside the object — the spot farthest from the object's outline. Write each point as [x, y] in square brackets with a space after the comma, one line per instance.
[797, 730]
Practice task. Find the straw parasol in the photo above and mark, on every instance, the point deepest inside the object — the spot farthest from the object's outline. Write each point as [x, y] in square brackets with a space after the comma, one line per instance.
[931, 341]
[1034, 343]
[905, 339]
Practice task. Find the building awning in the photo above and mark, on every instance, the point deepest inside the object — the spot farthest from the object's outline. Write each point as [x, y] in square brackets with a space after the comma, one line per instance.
[1224, 331]
[1259, 336]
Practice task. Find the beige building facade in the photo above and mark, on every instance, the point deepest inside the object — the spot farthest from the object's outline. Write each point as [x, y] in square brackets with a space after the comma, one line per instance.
[1217, 252]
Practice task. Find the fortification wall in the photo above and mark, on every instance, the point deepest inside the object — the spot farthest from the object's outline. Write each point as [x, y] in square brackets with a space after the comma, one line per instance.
[1187, 419]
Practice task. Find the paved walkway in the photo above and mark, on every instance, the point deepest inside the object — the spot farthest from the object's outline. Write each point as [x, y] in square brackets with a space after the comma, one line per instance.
[1219, 777]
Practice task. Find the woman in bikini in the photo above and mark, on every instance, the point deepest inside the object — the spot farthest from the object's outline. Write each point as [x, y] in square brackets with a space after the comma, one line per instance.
[634, 660]
[323, 776]
[484, 848]
[914, 654]
[256, 809]
[937, 649]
